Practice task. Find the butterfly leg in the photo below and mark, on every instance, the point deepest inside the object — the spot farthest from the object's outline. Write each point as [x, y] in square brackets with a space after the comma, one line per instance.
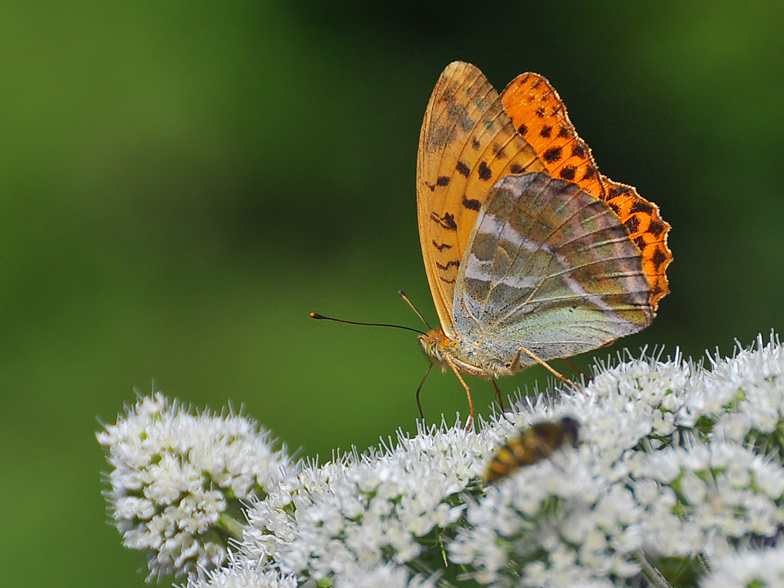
[540, 361]
[470, 422]
[574, 367]
[498, 393]
[419, 389]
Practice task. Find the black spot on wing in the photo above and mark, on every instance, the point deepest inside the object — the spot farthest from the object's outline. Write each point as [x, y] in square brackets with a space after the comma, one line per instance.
[642, 206]
[553, 154]
[659, 257]
[462, 169]
[618, 190]
[656, 227]
[471, 204]
[447, 221]
[454, 263]
[632, 223]
[568, 172]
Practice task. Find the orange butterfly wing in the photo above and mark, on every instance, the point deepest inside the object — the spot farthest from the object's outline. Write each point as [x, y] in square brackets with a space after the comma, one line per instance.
[539, 115]
[468, 142]
[647, 230]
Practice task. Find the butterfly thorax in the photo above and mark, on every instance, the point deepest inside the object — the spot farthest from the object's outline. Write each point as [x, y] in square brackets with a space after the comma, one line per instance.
[469, 358]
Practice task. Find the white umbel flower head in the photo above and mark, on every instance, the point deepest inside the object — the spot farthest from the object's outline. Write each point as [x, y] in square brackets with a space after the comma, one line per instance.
[357, 513]
[701, 498]
[747, 568]
[242, 574]
[564, 521]
[675, 464]
[742, 398]
[386, 576]
[178, 478]
[635, 400]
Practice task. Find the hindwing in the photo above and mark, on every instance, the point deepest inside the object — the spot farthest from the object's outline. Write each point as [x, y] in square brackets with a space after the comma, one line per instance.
[549, 268]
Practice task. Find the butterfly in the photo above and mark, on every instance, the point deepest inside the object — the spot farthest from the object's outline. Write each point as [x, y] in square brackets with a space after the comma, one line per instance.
[532, 445]
[530, 253]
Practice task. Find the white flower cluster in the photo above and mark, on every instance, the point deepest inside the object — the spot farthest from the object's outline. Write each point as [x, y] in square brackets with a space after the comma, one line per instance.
[177, 480]
[353, 516]
[565, 521]
[748, 568]
[239, 574]
[682, 492]
[675, 464]
[741, 398]
[701, 498]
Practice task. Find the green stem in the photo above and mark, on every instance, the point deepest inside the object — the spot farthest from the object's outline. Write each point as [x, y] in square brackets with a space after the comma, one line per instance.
[231, 525]
[423, 569]
[651, 572]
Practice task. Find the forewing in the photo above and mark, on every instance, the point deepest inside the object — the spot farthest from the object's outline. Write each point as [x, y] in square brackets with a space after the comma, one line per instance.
[466, 145]
[539, 115]
[552, 269]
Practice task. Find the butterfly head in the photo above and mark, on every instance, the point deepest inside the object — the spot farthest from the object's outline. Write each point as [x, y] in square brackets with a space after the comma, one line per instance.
[437, 346]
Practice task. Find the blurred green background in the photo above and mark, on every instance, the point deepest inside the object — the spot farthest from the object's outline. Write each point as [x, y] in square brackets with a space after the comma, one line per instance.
[182, 182]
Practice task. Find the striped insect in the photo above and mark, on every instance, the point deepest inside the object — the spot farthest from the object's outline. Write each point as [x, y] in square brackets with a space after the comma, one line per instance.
[532, 445]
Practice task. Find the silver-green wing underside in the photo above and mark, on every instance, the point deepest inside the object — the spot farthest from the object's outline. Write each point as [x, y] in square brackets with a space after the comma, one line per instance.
[549, 268]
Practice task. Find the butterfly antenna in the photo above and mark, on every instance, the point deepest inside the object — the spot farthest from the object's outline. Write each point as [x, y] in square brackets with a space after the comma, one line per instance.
[321, 317]
[414, 308]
